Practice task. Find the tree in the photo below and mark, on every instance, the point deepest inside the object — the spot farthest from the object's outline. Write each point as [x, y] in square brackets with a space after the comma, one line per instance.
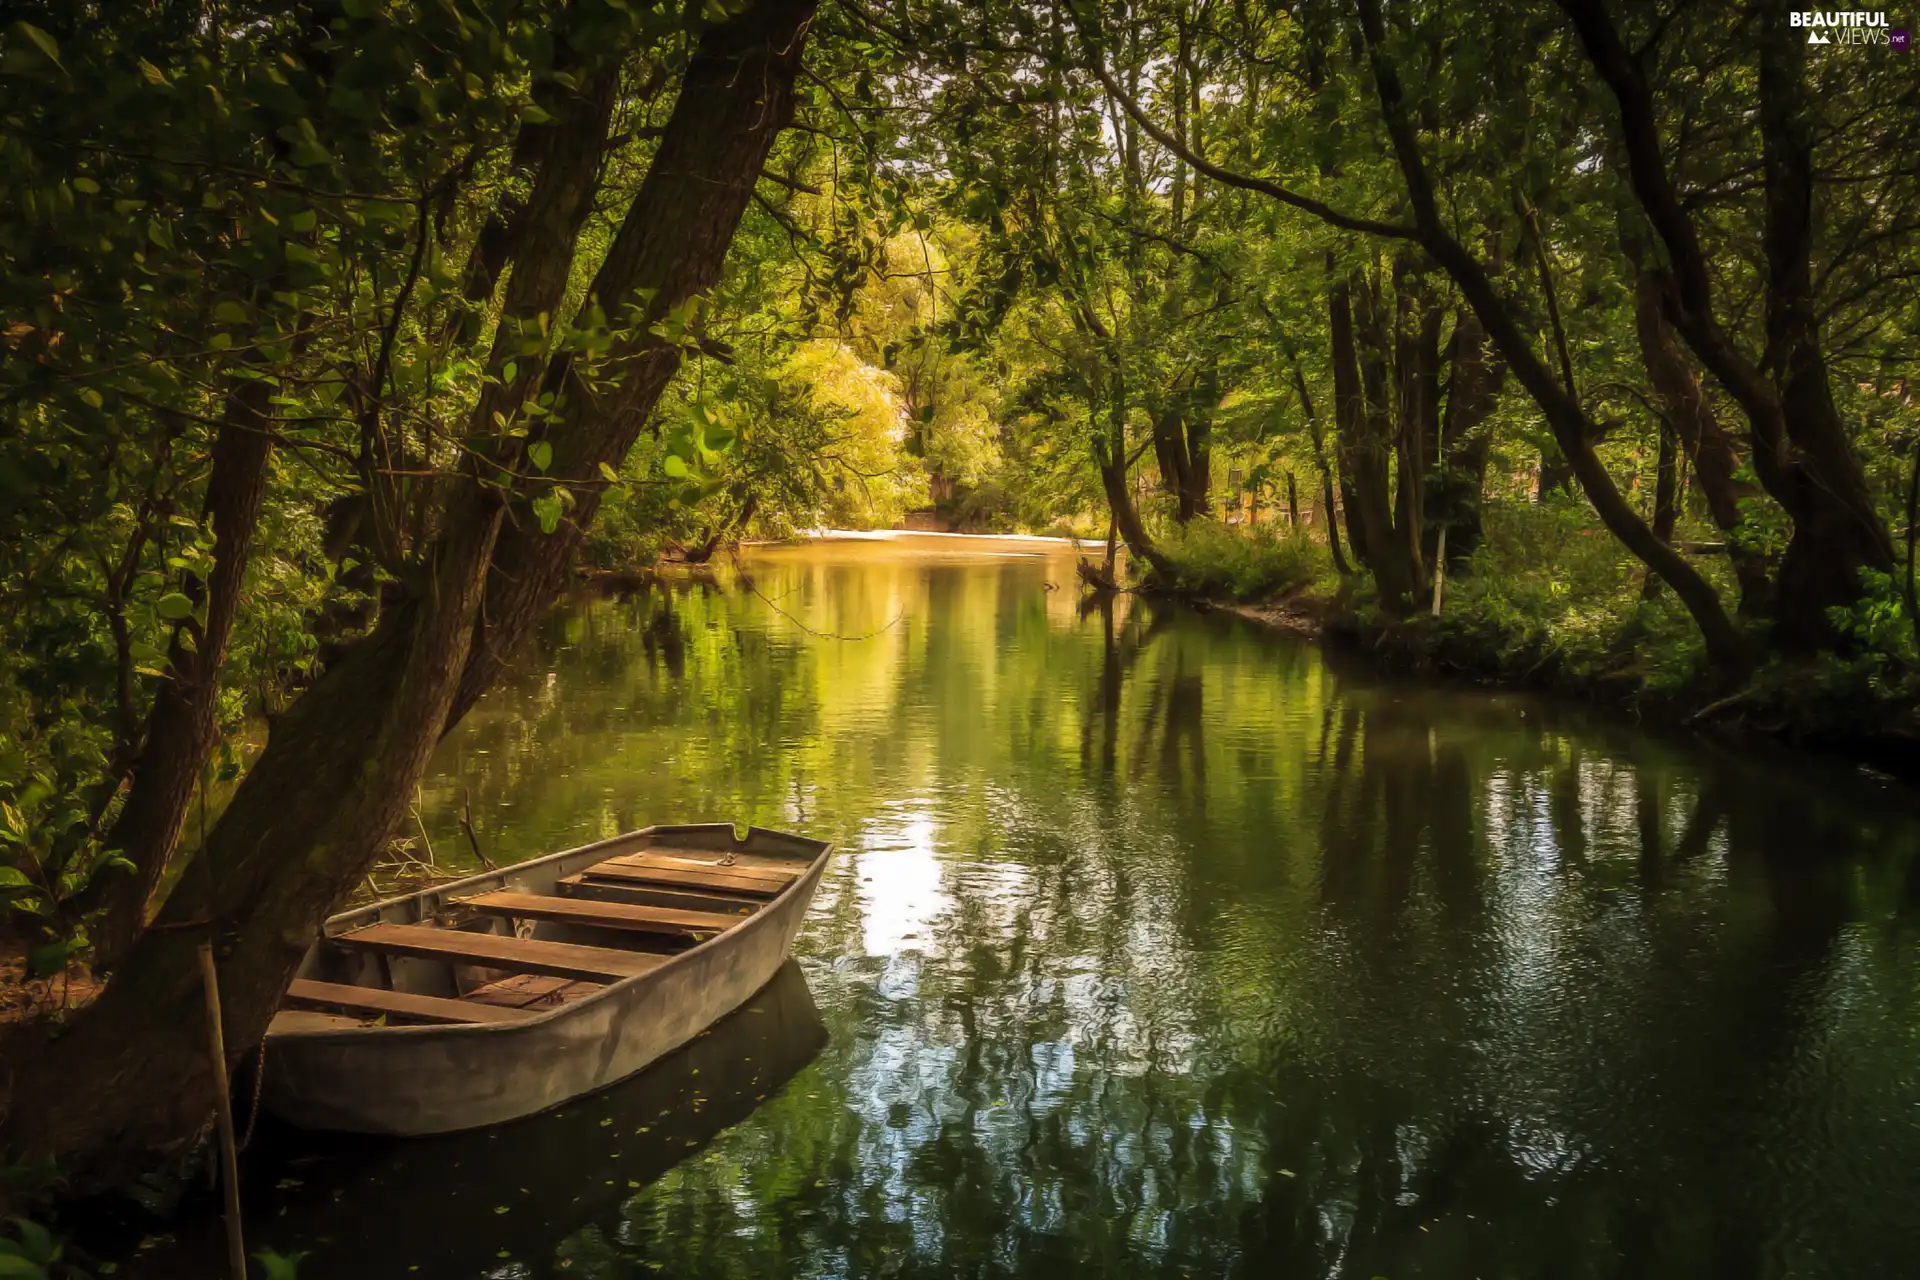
[130, 1078]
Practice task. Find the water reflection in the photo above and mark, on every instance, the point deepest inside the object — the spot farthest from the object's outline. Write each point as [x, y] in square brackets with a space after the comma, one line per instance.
[1159, 945]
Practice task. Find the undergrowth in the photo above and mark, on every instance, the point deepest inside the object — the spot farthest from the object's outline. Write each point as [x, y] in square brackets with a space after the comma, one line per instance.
[1550, 599]
[1215, 561]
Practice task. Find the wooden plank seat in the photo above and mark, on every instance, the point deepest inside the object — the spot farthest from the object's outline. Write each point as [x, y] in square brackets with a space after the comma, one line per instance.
[398, 1004]
[718, 879]
[492, 951]
[759, 866]
[604, 915]
[532, 992]
[598, 889]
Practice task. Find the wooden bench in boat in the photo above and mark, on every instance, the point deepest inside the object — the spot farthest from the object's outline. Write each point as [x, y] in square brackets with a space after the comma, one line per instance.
[595, 889]
[753, 884]
[399, 1004]
[533, 992]
[492, 951]
[604, 915]
[756, 866]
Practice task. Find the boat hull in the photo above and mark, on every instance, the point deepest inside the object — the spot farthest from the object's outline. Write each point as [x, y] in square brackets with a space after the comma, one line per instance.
[440, 1079]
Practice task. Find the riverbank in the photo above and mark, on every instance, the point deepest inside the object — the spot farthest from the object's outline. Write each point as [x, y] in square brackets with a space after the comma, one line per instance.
[1824, 709]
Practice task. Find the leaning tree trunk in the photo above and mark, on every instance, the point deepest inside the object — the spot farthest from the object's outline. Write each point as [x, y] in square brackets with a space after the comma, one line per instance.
[1110, 460]
[1572, 429]
[181, 724]
[130, 1079]
[670, 247]
[1800, 448]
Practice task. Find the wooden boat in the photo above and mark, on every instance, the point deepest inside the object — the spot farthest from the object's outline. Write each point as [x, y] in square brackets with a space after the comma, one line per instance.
[504, 994]
[399, 1209]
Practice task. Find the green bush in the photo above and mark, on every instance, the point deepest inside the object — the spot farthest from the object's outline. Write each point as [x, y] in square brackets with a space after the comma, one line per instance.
[1550, 598]
[1223, 562]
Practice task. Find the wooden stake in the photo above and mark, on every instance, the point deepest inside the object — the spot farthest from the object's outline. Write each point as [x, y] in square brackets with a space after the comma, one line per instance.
[223, 1113]
[1440, 571]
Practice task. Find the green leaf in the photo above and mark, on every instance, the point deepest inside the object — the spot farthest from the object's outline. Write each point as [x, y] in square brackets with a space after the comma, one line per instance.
[674, 465]
[42, 41]
[608, 474]
[17, 1268]
[540, 454]
[91, 398]
[37, 1240]
[14, 878]
[280, 1266]
[303, 220]
[173, 606]
[50, 959]
[158, 233]
[547, 509]
[86, 186]
[534, 113]
[231, 312]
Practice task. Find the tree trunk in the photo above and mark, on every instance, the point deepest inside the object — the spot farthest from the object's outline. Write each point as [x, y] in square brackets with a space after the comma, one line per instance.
[1110, 459]
[1838, 530]
[1196, 499]
[1170, 453]
[1800, 448]
[1418, 317]
[130, 1079]
[1183, 445]
[1363, 421]
[1571, 427]
[1716, 463]
[673, 242]
[1473, 392]
[1329, 512]
[1665, 501]
[181, 724]
[1556, 474]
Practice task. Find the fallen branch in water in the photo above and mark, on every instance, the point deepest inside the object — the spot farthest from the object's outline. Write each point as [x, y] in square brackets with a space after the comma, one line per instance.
[1716, 707]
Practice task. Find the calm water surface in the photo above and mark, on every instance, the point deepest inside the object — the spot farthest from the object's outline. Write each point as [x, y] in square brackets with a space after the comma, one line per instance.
[1156, 945]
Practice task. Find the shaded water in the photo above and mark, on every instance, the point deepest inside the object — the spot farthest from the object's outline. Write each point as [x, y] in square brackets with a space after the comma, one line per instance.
[1157, 945]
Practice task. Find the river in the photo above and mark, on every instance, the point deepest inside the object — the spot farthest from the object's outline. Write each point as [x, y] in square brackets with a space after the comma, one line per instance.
[1160, 944]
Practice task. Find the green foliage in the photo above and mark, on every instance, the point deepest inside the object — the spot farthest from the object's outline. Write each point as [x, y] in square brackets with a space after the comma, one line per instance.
[1551, 599]
[280, 1266]
[1216, 561]
[33, 1254]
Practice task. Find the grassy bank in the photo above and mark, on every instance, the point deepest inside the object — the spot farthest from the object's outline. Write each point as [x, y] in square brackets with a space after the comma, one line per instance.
[1548, 602]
